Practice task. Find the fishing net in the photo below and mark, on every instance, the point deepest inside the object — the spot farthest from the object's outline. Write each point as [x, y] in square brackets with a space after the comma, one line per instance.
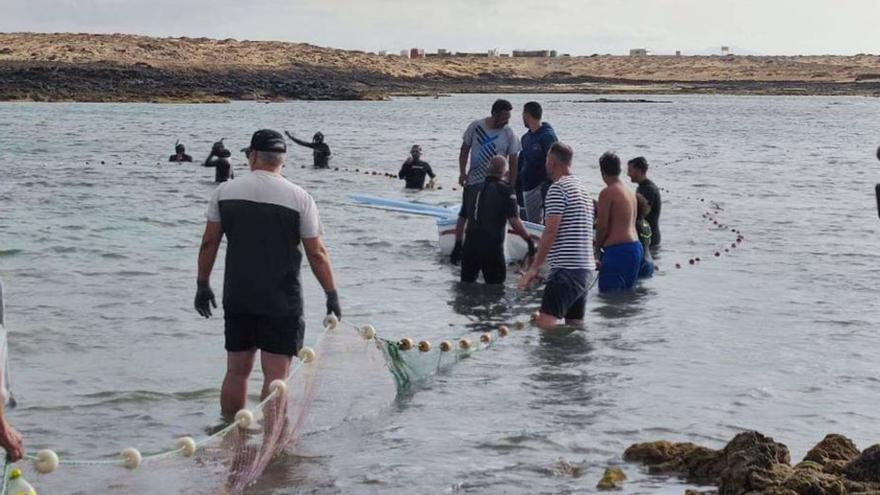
[343, 378]
[232, 458]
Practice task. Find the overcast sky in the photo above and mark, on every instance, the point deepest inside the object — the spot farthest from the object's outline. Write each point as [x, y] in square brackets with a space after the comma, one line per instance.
[775, 27]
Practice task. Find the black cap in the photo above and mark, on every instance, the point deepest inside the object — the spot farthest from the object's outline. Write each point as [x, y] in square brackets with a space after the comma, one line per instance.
[267, 140]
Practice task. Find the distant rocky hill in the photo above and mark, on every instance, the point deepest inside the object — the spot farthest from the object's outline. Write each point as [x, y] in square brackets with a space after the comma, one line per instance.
[88, 67]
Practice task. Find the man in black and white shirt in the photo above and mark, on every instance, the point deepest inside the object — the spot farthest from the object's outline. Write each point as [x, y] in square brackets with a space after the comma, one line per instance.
[265, 217]
[567, 242]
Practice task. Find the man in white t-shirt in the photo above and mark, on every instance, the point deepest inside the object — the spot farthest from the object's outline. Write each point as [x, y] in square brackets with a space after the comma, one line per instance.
[265, 218]
[484, 139]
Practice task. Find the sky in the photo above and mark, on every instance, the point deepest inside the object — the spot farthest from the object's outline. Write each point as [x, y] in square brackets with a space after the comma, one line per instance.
[579, 27]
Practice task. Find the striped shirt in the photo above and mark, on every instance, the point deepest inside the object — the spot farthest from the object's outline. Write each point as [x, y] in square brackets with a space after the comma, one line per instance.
[573, 247]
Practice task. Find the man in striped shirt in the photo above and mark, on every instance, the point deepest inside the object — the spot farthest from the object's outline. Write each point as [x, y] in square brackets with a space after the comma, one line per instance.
[567, 243]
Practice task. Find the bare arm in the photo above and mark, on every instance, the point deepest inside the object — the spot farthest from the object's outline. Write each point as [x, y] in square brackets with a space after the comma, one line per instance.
[462, 163]
[319, 259]
[519, 228]
[551, 229]
[513, 169]
[208, 252]
[603, 218]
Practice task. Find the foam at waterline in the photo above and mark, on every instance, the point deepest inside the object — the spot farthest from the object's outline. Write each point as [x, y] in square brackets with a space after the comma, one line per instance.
[346, 381]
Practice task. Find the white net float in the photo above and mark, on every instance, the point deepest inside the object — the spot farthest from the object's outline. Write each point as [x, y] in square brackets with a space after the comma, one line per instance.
[306, 354]
[132, 458]
[47, 461]
[187, 446]
[244, 418]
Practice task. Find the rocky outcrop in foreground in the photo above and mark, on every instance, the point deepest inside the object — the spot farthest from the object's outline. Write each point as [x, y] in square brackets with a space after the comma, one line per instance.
[754, 464]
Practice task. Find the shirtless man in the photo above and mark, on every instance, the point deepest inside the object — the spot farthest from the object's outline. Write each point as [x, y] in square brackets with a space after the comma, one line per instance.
[615, 230]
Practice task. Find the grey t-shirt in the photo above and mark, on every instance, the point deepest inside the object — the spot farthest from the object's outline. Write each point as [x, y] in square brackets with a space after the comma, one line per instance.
[485, 143]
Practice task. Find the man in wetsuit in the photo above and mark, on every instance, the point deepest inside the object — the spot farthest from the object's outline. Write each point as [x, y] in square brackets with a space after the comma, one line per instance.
[219, 159]
[533, 161]
[180, 154]
[483, 139]
[877, 187]
[567, 243]
[265, 218]
[637, 170]
[414, 170]
[320, 149]
[487, 219]
[616, 230]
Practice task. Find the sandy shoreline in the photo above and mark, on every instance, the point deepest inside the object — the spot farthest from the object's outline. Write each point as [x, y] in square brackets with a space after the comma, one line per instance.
[85, 67]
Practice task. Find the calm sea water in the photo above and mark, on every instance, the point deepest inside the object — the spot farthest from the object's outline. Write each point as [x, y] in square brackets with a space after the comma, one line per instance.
[778, 335]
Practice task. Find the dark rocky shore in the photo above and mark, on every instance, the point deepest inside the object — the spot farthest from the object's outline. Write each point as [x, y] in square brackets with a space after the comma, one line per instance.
[89, 67]
[114, 82]
[753, 464]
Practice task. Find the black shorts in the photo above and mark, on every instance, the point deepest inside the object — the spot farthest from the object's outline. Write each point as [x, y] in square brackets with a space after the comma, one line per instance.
[469, 199]
[275, 334]
[565, 295]
[479, 257]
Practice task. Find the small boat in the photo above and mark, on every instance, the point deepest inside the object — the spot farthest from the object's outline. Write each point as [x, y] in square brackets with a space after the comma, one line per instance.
[515, 248]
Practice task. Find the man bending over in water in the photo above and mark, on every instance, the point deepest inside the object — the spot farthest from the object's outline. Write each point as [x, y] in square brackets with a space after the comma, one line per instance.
[616, 231]
[320, 149]
[567, 242]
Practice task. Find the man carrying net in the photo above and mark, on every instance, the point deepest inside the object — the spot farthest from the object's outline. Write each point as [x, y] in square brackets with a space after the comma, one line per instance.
[265, 217]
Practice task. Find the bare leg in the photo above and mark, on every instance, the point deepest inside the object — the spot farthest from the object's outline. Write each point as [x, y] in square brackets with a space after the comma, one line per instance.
[546, 321]
[275, 367]
[233, 395]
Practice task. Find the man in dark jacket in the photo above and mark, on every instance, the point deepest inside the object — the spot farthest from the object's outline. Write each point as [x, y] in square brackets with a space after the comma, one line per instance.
[414, 170]
[532, 161]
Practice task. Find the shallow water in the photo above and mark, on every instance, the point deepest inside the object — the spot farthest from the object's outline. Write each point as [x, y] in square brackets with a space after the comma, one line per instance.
[777, 335]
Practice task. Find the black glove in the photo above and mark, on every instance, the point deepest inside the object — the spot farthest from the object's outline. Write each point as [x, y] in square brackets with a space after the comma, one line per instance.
[204, 295]
[532, 249]
[455, 257]
[333, 304]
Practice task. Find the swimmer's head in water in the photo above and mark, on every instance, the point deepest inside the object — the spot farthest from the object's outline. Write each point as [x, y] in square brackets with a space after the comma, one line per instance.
[637, 169]
[416, 151]
[501, 113]
[318, 137]
[609, 164]
[878, 152]
[179, 148]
